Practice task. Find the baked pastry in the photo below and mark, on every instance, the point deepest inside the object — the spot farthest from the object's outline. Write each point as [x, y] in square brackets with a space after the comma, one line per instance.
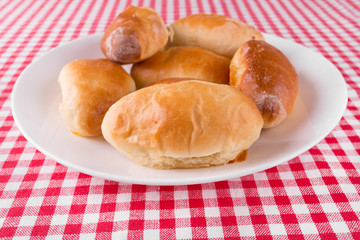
[215, 33]
[264, 73]
[182, 62]
[186, 124]
[170, 80]
[89, 88]
[134, 35]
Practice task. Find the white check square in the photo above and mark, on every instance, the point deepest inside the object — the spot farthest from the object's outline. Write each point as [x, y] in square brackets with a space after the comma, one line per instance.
[339, 227]
[90, 218]
[241, 210]
[271, 210]
[246, 231]
[277, 229]
[151, 214]
[27, 221]
[151, 234]
[183, 233]
[182, 213]
[59, 219]
[215, 232]
[300, 209]
[308, 228]
[329, 207]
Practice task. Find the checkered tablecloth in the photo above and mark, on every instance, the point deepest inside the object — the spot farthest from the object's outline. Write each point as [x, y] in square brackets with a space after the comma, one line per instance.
[313, 196]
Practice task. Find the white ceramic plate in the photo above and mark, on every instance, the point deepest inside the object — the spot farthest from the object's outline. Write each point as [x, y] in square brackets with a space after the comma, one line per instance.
[36, 95]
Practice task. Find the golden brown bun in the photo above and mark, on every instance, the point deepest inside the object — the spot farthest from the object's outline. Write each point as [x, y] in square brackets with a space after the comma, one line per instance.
[263, 72]
[186, 124]
[215, 33]
[89, 88]
[134, 35]
[182, 62]
[170, 80]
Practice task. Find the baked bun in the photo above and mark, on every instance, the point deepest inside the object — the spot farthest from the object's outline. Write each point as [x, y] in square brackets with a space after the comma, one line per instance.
[170, 80]
[186, 124]
[182, 62]
[89, 88]
[134, 35]
[264, 73]
[215, 33]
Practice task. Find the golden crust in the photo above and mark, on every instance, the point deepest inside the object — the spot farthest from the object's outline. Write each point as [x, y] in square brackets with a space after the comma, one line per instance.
[264, 73]
[89, 88]
[134, 35]
[170, 80]
[183, 125]
[182, 62]
[212, 32]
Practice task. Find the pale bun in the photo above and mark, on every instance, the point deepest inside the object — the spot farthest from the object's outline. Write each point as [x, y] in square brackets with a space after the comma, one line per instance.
[186, 124]
[215, 33]
[182, 62]
[134, 35]
[89, 88]
[264, 73]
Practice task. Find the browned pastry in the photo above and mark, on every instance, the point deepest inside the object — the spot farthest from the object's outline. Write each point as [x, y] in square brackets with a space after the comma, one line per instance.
[186, 124]
[264, 73]
[182, 62]
[89, 88]
[215, 33]
[170, 80]
[134, 35]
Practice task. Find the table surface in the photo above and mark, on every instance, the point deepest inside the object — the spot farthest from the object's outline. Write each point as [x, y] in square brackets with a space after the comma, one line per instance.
[313, 196]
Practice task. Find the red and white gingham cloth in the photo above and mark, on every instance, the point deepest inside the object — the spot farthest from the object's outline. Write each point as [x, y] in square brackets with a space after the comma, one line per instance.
[313, 196]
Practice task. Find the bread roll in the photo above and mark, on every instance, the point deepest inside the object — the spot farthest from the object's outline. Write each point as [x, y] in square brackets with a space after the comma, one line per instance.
[264, 73]
[170, 80]
[134, 35]
[182, 62]
[186, 124]
[89, 88]
[215, 33]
